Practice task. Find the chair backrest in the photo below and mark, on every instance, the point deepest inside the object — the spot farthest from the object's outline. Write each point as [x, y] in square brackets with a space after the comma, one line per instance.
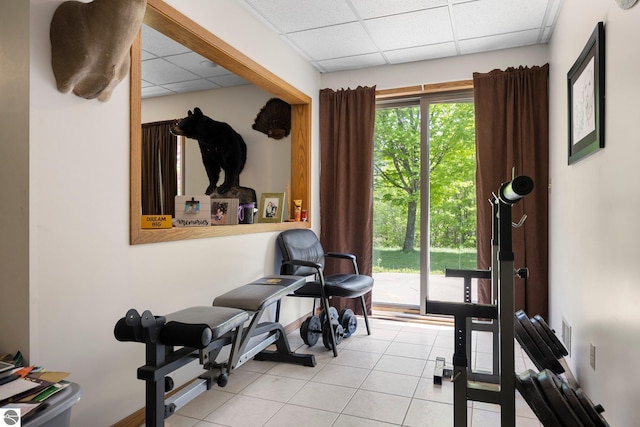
[300, 244]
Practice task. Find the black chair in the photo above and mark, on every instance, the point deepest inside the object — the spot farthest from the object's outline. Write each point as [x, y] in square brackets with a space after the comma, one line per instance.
[303, 255]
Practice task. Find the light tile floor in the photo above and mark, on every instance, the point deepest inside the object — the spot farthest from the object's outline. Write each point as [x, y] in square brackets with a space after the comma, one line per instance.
[385, 379]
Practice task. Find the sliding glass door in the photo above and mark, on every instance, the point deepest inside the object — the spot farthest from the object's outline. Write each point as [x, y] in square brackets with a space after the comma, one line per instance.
[424, 198]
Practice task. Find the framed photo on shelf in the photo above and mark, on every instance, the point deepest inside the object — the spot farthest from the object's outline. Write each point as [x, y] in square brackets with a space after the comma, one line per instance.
[585, 84]
[224, 211]
[271, 207]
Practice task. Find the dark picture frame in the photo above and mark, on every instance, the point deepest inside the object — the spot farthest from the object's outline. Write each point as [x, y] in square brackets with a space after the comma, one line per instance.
[585, 85]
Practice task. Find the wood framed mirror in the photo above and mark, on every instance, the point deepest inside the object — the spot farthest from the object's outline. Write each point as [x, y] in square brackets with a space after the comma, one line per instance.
[180, 28]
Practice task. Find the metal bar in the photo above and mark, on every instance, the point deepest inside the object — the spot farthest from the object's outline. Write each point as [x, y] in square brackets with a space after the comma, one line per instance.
[187, 394]
[506, 309]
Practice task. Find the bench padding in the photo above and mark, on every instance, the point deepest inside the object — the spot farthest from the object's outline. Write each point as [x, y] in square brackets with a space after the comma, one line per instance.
[219, 320]
[261, 293]
[194, 327]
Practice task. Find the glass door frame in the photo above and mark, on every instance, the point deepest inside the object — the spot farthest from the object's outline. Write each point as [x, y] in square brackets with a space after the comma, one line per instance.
[425, 193]
[412, 96]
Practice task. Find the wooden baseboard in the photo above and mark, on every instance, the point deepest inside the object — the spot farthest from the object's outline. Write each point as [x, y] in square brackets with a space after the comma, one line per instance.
[137, 419]
[134, 420]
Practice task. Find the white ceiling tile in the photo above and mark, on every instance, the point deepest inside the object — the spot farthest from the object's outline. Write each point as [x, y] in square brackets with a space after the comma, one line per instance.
[296, 15]
[334, 42]
[159, 71]
[489, 17]
[367, 9]
[335, 35]
[421, 53]
[160, 45]
[503, 41]
[154, 91]
[197, 64]
[411, 29]
[229, 80]
[191, 86]
[352, 62]
[146, 55]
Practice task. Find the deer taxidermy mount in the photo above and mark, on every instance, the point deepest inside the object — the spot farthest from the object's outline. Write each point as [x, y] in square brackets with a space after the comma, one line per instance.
[90, 45]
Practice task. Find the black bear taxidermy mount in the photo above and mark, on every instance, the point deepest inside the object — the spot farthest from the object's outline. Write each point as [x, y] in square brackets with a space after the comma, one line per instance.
[222, 148]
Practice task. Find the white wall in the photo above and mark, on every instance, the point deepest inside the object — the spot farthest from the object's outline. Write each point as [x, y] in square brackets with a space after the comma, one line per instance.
[436, 71]
[81, 272]
[593, 212]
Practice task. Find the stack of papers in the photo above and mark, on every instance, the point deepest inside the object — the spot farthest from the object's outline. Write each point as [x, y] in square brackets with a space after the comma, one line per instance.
[27, 389]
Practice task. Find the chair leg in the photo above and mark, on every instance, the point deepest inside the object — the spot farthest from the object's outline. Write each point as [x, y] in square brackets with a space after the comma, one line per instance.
[364, 313]
[334, 346]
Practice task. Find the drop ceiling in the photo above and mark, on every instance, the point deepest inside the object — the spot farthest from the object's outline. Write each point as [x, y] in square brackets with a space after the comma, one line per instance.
[337, 35]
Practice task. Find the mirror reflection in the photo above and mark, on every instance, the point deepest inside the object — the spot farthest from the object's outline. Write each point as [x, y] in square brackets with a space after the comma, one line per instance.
[176, 80]
[170, 68]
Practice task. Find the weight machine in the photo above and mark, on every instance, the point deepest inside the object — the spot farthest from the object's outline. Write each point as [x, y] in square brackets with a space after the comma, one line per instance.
[498, 387]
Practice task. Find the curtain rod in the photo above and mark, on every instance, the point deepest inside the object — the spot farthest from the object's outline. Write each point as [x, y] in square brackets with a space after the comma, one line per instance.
[423, 89]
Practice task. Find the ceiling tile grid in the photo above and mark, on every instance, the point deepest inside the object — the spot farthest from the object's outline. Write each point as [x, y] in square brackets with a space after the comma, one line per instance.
[169, 68]
[337, 35]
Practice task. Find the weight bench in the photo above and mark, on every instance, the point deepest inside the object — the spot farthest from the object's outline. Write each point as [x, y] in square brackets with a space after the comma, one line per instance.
[201, 333]
[255, 298]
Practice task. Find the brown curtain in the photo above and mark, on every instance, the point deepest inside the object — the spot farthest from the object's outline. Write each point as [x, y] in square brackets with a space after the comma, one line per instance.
[512, 130]
[159, 179]
[346, 180]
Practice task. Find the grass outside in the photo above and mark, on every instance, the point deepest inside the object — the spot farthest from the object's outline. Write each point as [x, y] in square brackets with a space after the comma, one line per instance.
[396, 261]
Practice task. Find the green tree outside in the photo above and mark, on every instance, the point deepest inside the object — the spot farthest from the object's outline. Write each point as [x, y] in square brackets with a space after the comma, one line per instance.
[451, 175]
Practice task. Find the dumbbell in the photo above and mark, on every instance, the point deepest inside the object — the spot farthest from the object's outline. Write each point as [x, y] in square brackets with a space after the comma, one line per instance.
[314, 326]
[539, 342]
[556, 403]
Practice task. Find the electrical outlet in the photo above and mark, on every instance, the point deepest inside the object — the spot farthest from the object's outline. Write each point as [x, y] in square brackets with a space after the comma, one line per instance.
[592, 356]
[566, 335]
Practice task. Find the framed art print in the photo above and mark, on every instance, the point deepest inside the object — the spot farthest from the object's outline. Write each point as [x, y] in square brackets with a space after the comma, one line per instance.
[585, 84]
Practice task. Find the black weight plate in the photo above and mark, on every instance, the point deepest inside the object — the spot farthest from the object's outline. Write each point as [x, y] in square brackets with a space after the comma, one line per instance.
[529, 389]
[588, 405]
[336, 330]
[326, 335]
[551, 334]
[304, 331]
[552, 362]
[345, 311]
[310, 330]
[350, 325]
[556, 399]
[349, 322]
[558, 353]
[333, 315]
[315, 328]
[575, 404]
[528, 345]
